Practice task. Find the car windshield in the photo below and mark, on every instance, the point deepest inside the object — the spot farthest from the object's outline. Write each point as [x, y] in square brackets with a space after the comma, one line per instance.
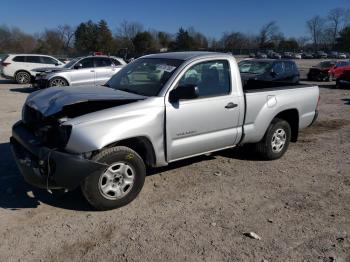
[145, 76]
[254, 67]
[71, 63]
[341, 64]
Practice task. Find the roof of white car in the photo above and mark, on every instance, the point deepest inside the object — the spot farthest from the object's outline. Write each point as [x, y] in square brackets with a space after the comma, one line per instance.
[30, 54]
[184, 55]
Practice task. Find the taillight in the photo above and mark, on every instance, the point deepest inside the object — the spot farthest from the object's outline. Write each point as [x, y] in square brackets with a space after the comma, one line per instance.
[5, 64]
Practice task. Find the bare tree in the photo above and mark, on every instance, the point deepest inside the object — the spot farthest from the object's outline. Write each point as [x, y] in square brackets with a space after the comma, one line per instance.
[129, 30]
[315, 27]
[67, 35]
[268, 33]
[336, 18]
[302, 41]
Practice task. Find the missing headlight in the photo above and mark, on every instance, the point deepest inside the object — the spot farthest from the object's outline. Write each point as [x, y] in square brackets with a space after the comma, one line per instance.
[63, 134]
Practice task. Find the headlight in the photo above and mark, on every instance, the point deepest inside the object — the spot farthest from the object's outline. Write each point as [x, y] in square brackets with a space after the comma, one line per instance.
[63, 135]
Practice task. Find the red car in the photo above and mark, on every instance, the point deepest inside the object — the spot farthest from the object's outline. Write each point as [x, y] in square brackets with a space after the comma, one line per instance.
[339, 68]
[320, 71]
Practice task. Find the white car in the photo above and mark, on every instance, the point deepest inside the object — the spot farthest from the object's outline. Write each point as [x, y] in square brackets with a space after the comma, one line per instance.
[297, 56]
[20, 66]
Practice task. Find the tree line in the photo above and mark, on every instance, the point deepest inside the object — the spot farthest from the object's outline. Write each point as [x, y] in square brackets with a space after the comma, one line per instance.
[130, 39]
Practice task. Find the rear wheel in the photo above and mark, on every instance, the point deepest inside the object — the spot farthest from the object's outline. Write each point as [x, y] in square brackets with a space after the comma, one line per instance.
[23, 77]
[120, 183]
[58, 81]
[276, 140]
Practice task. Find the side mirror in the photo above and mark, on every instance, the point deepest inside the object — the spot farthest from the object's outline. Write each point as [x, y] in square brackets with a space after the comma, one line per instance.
[78, 66]
[57, 64]
[184, 92]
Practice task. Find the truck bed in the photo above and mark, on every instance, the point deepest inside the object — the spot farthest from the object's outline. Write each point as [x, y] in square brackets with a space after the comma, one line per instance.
[268, 99]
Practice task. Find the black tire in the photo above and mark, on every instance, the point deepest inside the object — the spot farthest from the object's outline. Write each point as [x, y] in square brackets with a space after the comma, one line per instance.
[23, 77]
[91, 185]
[265, 148]
[58, 81]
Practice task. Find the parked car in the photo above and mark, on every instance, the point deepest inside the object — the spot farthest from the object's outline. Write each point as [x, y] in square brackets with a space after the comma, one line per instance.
[341, 55]
[338, 69]
[297, 56]
[90, 70]
[157, 110]
[20, 66]
[320, 54]
[307, 55]
[274, 55]
[288, 55]
[344, 79]
[261, 55]
[269, 70]
[333, 54]
[320, 71]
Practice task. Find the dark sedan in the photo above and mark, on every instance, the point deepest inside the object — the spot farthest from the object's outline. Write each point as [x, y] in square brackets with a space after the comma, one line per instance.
[320, 71]
[269, 70]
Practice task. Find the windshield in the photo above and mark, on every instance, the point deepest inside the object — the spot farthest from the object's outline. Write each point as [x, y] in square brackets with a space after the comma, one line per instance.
[71, 63]
[325, 64]
[145, 76]
[254, 67]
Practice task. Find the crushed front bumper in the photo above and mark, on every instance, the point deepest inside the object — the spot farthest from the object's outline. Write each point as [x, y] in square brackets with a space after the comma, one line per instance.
[48, 168]
[40, 83]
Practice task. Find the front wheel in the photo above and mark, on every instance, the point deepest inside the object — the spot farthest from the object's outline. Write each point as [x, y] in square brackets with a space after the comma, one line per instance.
[58, 81]
[276, 140]
[120, 183]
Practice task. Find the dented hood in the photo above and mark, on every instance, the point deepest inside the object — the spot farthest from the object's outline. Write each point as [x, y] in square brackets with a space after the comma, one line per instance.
[51, 100]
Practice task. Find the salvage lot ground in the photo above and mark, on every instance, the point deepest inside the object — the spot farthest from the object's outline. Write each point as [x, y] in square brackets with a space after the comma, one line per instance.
[198, 209]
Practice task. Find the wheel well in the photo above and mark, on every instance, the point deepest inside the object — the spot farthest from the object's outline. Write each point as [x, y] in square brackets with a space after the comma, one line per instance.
[59, 77]
[292, 117]
[22, 70]
[142, 146]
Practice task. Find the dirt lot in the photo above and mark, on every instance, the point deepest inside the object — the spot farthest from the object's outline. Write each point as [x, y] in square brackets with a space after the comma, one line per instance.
[298, 205]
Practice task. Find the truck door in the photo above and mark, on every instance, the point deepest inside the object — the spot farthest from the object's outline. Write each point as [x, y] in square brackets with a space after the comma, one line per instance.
[206, 123]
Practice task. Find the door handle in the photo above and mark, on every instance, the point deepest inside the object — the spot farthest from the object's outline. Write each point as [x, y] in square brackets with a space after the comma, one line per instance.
[231, 105]
[92, 71]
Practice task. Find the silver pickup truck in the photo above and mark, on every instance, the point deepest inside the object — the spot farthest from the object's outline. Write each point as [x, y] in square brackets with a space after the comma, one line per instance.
[158, 109]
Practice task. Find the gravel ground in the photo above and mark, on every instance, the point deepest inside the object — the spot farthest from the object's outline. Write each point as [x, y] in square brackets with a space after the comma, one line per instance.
[195, 210]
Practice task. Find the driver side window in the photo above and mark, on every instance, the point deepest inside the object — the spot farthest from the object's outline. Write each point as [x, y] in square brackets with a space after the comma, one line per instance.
[212, 78]
[87, 63]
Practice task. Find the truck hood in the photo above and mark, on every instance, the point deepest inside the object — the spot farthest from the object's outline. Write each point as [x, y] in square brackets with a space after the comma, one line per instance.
[50, 69]
[52, 100]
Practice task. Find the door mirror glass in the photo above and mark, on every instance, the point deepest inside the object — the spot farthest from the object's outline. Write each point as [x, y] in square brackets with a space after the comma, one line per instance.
[184, 92]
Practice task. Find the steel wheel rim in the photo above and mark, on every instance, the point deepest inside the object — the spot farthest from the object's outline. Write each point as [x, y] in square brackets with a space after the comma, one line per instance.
[58, 82]
[117, 181]
[278, 140]
[22, 78]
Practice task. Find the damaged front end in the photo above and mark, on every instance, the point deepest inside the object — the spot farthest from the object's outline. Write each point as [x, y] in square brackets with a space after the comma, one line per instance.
[47, 167]
[38, 141]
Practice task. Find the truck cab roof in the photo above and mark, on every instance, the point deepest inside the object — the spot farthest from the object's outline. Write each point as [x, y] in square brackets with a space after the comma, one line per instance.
[186, 55]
